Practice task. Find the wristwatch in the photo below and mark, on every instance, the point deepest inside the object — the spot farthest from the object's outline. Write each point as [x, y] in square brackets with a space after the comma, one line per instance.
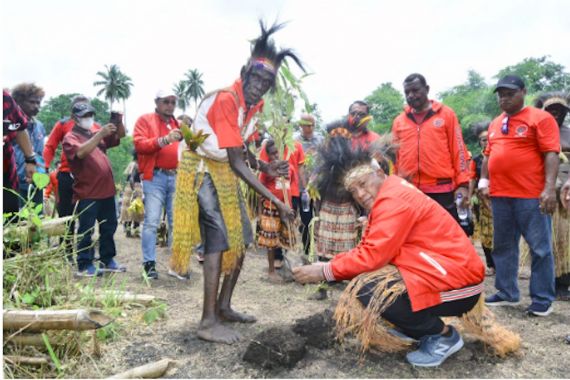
[30, 159]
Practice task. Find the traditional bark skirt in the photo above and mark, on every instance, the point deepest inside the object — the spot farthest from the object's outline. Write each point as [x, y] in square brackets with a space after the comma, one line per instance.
[372, 330]
[485, 226]
[271, 232]
[337, 228]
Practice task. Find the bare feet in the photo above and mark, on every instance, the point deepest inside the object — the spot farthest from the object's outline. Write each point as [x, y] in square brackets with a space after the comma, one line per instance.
[218, 333]
[274, 278]
[230, 315]
[278, 264]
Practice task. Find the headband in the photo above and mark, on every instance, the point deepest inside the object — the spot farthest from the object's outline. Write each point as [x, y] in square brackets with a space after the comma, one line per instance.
[357, 172]
[263, 64]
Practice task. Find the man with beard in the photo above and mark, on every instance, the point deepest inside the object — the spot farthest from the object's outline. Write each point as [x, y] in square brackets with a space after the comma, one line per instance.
[430, 148]
[207, 188]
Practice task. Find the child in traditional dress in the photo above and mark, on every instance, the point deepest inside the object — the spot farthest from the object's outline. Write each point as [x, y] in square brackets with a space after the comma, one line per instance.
[272, 233]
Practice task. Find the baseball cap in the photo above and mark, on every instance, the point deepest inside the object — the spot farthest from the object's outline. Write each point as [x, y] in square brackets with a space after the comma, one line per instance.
[81, 109]
[165, 94]
[513, 82]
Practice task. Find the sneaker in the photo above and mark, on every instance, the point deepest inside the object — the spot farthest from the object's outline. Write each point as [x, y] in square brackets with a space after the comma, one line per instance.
[496, 300]
[434, 349]
[89, 271]
[539, 310]
[150, 270]
[180, 277]
[111, 266]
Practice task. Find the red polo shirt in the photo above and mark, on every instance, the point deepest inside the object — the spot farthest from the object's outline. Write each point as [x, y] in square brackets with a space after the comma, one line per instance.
[92, 175]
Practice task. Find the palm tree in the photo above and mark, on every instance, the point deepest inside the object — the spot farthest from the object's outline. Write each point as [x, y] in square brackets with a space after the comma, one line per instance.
[115, 85]
[181, 91]
[194, 85]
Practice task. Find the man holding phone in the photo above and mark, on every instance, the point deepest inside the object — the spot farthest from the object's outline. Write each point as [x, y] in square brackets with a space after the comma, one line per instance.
[156, 137]
[85, 148]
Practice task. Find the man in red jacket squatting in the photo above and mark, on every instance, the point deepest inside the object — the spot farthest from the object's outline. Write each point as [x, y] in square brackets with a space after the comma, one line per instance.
[434, 268]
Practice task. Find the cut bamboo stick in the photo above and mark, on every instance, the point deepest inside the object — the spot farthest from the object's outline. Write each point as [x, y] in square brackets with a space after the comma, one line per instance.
[125, 297]
[30, 360]
[148, 371]
[51, 227]
[40, 320]
[35, 340]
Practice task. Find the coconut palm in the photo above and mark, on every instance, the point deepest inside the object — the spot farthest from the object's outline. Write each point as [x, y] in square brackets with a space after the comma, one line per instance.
[194, 85]
[181, 91]
[115, 84]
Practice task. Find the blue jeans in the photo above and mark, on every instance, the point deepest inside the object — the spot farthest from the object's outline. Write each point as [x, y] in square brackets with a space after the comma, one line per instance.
[102, 211]
[158, 194]
[511, 218]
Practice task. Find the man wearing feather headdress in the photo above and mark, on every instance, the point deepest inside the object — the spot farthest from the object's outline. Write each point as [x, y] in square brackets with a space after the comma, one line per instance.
[209, 173]
[413, 265]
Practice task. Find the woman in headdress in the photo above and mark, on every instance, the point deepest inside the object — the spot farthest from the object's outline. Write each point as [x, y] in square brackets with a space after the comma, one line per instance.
[413, 265]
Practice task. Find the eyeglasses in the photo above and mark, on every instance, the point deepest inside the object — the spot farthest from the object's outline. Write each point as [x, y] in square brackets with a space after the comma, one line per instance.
[357, 114]
[505, 126]
[166, 101]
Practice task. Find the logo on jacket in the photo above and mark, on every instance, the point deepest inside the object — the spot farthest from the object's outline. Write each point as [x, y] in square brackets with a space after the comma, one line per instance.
[521, 131]
[438, 122]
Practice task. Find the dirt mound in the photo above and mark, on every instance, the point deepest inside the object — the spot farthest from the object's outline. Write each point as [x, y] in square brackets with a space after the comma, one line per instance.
[318, 329]
[275, 347]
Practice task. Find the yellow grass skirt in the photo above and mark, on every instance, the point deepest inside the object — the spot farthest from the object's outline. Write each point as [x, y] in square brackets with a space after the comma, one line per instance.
[186, 229]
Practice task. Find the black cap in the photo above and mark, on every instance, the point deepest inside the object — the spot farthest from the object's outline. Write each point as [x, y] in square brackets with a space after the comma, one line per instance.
[510, 81]
[81, 109]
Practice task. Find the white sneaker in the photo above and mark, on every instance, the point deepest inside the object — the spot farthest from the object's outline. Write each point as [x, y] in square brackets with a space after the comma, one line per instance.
[178, 276]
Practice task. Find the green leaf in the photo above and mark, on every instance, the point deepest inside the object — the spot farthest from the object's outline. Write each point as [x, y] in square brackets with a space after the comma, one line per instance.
[41, 180]
[38, 208]
[28, 299]
[36, 220]
[52, 354]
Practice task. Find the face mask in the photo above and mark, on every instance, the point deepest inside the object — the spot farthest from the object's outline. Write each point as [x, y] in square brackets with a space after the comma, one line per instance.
[86, 122]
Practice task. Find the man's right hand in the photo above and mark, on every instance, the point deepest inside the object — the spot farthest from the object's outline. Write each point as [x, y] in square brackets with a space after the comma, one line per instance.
[565, 194]
[108, 129]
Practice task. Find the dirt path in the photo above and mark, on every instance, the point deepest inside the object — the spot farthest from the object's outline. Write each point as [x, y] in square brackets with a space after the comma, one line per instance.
[544, 354]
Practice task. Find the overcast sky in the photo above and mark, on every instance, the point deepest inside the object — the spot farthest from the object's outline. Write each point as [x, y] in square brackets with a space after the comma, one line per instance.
[350, 46]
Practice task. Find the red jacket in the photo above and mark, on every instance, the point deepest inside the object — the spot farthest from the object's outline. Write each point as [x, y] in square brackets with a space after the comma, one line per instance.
[145, 138]
[60, 129]
[408, 229]
[431, 154]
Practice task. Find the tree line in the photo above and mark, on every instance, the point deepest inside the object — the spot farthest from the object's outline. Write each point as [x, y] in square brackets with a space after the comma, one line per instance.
[473, 100]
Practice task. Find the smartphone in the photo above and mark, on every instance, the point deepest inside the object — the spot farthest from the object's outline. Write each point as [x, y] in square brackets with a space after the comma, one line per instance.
[116, 118]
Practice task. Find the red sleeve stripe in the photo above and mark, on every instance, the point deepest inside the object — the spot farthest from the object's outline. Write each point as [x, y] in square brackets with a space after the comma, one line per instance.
[457, 294]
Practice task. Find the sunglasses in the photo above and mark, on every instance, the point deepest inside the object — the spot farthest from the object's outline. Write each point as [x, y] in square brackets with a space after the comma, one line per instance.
[505, 126]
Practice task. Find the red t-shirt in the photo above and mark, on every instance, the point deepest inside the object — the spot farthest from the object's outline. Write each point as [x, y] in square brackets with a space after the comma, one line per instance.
[271, 184]
[92, 175]
[516, 160]
[364, 139]
[296, 159]
[167, 157]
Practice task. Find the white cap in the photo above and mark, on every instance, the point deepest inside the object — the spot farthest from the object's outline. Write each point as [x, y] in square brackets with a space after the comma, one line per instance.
[165, 94]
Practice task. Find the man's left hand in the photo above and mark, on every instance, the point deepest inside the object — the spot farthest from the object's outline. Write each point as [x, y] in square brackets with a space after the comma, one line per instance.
[465, 196]
[308, 274]
[548, 200]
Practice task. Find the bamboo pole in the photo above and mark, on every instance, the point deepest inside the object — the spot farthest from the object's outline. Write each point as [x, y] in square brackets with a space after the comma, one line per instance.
[35, 340]
[148, 371]
[31, 360]
[41, 320]
[52, 227]
[125, 297]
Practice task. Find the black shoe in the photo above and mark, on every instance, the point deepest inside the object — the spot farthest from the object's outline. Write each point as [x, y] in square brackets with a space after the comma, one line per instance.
[150, 270]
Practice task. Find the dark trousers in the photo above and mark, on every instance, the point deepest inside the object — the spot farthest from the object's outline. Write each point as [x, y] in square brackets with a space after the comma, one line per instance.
[447, 201]
[66, 206]
[104, 212]
[489, 257]
[423, 322]
[10, 200]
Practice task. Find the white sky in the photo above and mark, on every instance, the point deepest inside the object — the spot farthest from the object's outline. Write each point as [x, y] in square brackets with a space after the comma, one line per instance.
[350, 46]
